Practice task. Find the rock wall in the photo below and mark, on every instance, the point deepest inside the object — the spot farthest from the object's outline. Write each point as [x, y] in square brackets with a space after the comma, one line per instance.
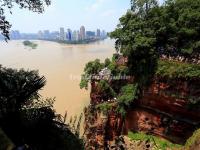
[165, 110]
[101, 129]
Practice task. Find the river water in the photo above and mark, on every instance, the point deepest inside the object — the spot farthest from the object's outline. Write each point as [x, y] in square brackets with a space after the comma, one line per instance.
[62, 66]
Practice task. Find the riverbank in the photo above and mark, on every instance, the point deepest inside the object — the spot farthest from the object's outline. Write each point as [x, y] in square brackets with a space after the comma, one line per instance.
[86, 41]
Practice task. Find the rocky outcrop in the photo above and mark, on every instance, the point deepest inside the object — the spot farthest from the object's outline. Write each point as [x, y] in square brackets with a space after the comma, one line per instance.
[166, 110]
[138, 145]
[94, 128]
[101, 129]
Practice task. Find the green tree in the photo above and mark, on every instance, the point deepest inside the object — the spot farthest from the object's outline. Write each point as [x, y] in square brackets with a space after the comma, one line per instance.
[27, 119]
[127, 95]
[18, 88]
[135, 38]
[171, 29]
[105, 90]
[179, 26]
[142, 6]
[107, 62]
[91, 69]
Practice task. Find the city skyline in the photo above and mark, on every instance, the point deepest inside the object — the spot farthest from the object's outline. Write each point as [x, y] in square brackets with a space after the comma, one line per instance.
[92, 13]
[104, 14]
[65, 28]
[62, 34]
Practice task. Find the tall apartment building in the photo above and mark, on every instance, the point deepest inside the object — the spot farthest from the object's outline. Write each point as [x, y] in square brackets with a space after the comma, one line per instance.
[62, 34]
[82, 33]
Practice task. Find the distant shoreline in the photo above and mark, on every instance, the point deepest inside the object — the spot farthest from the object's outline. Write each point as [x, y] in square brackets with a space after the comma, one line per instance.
[87, 41]
[62, 42]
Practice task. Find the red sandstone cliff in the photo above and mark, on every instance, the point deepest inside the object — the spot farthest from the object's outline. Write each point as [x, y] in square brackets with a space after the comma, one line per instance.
[165, 109]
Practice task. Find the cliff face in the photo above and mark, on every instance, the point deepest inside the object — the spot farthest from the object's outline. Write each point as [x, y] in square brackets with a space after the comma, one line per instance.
[166, 109]
[94, 128]
[101, 129]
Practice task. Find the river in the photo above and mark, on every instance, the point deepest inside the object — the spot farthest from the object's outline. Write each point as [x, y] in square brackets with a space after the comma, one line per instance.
[61, 65]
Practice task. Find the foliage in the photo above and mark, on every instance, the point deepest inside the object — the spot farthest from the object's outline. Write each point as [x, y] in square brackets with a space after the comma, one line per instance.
[172, 69]
[194, 102]
[142, 6]
[18, 88]
[180, 25]
[85, 79]
[91, 68]
[27, 119]
[40, 130]
[147, 31]
[123, 70]
[135, 39]
[193, 140]
[32, 5]
[104, 107]
[159, 143]
[75, 124]
[107, 62]
[5, 142]
[127, 95]
[117, 70]
[105, 88]
[39, 103]
[30, 44]
[113, 67]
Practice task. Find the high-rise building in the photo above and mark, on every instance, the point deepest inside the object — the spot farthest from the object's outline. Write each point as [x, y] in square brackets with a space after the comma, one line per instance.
[90, 34]
[69, 35]
[29, 36]
[55, 35]
[15, 35]
[46, 34]
[75, 36]
[103, 34]
[78, 35]
[18, 36]
[82, 33]
[40, 35]
[62, 34]
[98, 33]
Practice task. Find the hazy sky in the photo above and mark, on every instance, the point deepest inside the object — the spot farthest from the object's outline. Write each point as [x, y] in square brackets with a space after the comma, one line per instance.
[93, 14]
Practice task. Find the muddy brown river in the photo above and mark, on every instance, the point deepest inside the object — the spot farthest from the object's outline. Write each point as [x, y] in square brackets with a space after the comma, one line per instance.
[62, 66]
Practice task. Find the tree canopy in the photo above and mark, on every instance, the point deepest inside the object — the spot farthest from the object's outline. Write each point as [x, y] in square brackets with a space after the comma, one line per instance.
[142, 6]
[28, 120]
[91, 68]
[148, 31]
[127, 95]
[18, 87]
